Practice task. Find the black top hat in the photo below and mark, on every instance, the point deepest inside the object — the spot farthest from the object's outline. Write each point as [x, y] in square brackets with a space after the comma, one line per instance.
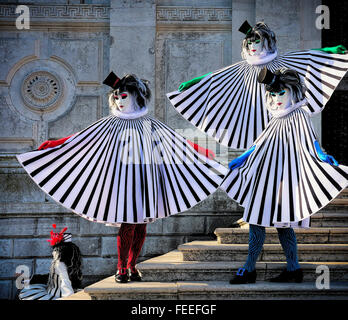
[245, 28]
[271, 80]
[113, 81]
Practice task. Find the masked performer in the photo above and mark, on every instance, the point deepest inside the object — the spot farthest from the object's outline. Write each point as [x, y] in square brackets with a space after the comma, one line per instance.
[126, 170]
[229, 104]
[65, 272]
[284, 177]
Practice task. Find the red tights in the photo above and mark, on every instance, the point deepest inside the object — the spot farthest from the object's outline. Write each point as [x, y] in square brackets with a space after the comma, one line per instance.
[130, 240]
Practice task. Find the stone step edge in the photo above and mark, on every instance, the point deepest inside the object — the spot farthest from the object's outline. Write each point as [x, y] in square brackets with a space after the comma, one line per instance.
[109, 286]
[240, 223]
[339, 202]
[80, 295]
[173, 261]
[271, 230]
[214, 245]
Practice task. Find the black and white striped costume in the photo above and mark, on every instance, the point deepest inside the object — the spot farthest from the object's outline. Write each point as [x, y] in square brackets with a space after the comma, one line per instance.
[58, 286]
[284, 182]
[125, 170]
[229, 104]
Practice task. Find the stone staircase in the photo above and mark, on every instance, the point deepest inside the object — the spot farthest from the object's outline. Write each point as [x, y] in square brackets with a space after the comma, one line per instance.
[202, 269]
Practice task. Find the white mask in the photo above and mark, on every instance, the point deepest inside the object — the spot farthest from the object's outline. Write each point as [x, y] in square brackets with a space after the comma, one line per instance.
[125, 102]
[280, 101]
[255, 47]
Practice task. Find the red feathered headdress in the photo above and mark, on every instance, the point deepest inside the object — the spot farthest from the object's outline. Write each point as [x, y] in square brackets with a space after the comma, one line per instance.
[56, 237]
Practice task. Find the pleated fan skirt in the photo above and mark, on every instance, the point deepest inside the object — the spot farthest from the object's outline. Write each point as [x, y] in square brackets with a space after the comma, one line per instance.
[124, 170]
[229, 105]
[283, 182]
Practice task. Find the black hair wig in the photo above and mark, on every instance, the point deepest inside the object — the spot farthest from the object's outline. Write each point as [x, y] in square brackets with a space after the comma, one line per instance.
[288, 79]
[70, 254]
[263, 32]
[139, 88]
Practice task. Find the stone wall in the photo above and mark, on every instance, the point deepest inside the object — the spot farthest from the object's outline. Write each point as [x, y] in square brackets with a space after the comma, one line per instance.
[51, 86]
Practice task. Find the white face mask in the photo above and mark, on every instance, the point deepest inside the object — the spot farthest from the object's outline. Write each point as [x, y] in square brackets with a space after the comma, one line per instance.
[125, 102]
[255, 47]
[280, 101]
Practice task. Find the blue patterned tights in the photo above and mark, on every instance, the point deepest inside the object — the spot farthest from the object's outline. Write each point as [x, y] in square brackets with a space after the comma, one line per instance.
[287, 238]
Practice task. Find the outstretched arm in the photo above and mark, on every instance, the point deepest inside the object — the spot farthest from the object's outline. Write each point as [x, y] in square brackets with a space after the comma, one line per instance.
[340, 49]
[190, 83]
[206, 152]
[235, 163]
[53, 143]
[323, 156]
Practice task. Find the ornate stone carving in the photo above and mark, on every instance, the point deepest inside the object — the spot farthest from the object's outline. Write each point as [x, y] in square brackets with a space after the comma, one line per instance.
[177, 14]
[41, 90]
[55, 11]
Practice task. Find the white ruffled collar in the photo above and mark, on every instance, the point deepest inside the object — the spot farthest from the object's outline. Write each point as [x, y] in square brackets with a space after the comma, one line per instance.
[262, 58]
[290, 109]
[132, 115]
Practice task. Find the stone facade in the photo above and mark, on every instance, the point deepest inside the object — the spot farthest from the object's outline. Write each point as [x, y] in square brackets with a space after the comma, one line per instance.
[51, 86]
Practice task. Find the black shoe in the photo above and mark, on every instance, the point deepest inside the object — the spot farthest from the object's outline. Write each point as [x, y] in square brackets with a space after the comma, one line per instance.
[289, 276]
[244, 276]
[134, 274]
[122, 276]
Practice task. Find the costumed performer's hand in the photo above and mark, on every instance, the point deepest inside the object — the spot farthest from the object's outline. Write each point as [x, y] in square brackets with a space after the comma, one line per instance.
[190, 83]
[53, 143]
[235, 163]
[323, 156]
[331, 160]
[206, 152]
[340, 49]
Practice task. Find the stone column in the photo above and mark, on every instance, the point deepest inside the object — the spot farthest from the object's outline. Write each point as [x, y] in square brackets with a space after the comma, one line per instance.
[133, 34]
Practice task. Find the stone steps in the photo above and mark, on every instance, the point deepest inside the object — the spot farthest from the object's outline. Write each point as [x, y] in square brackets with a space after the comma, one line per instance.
[171, 267]
[200, 270]
[326, 219]
[107, 289]
[213, 251]
[312, 235]
[332, 219]
[341, 199]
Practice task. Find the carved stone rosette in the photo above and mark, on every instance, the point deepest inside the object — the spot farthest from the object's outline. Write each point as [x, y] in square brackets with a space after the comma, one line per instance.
[41, 90]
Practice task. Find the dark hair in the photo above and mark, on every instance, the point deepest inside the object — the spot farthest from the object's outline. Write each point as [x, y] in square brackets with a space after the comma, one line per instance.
[263, 32]
[288, 79]
[70, 254]
[139, 88]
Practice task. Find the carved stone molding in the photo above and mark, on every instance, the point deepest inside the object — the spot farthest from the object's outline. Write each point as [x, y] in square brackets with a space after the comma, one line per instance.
[189, 19]
[56, 17]
[56, 11]
[185, 14]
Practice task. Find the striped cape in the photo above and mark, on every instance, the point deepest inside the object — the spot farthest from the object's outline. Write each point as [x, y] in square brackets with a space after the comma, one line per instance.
[50, 291]
[40, 291]
[229, 104]
[124, 170]
[283, 182]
